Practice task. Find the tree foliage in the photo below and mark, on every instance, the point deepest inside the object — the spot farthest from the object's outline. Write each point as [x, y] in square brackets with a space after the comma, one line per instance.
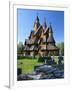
[20, 48]
[61, 47]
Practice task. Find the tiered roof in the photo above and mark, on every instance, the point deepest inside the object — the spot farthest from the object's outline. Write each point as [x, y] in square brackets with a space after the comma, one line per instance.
[49, 47]
[34, 40]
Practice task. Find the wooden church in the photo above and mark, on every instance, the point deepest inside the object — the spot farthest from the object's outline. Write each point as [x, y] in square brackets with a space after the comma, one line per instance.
[40, 41]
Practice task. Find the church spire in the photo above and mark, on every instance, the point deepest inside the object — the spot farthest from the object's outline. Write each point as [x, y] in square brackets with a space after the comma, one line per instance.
[50, 28]
[37, 18]
[36, 23]
[45, 25]
[51, 38]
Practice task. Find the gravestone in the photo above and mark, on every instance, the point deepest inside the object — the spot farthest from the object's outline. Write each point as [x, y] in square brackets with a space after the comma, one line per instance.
[45, 61]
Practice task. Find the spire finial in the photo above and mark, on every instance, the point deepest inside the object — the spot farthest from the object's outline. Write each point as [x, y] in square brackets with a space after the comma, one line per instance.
[37, 18]
[36, 23]
[50, 27]
[45, 25]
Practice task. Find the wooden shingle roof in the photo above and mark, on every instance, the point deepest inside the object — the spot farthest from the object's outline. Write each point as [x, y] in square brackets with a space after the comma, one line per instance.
[49, 47]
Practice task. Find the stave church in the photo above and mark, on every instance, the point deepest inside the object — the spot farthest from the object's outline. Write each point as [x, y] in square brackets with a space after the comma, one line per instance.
[40, 41]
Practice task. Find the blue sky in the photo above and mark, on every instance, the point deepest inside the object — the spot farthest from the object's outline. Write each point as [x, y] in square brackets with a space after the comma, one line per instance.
[26, 19]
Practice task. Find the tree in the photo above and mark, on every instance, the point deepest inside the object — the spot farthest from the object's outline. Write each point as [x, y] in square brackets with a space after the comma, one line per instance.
[61, 47]
[20, 49]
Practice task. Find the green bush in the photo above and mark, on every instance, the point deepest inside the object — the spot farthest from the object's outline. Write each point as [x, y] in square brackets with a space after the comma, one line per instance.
[40, 59]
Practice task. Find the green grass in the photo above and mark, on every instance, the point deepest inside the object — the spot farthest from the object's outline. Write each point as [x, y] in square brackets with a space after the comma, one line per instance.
[27, 65]
[56, 60]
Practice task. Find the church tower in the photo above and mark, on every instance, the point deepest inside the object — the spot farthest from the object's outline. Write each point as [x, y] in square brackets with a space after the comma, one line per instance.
[36, 23]
[41, 41]
[45, 25]
[50, 37]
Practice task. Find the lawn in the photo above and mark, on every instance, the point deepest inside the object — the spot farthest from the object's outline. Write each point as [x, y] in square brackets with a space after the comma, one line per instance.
[27, 65]
[56, 59]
